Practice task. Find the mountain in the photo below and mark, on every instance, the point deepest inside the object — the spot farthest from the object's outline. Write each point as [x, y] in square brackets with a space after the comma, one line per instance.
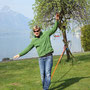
[11, 21]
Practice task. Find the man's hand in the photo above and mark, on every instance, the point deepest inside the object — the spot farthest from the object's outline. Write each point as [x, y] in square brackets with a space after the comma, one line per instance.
[17, 56]
[57, 16]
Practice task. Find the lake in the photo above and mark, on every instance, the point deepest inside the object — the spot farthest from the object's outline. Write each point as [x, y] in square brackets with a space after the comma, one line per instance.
[12, 43]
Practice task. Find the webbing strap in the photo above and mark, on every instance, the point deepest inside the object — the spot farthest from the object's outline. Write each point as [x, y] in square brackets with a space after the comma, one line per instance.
[58, 62]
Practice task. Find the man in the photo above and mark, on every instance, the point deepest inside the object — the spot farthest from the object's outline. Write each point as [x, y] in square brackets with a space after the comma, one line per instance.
[43, 45]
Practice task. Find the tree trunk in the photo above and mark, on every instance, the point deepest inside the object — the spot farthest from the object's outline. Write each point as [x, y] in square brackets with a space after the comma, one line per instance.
[65, 43]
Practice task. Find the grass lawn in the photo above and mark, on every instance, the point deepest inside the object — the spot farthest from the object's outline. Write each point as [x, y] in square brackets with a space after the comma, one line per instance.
[25, 74]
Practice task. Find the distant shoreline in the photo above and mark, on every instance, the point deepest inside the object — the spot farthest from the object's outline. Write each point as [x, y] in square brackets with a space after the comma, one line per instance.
[38, 57]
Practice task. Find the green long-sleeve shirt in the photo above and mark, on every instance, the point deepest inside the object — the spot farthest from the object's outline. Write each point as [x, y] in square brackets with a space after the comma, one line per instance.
[42, 44]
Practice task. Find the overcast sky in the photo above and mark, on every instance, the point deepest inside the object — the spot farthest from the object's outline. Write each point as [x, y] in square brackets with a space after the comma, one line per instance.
[22, 6]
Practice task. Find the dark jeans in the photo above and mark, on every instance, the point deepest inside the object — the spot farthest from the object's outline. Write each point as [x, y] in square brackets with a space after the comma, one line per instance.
[45, 64]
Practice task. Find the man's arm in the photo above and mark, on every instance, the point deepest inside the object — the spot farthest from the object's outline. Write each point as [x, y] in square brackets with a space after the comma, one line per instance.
[25, 51]
[55, 25]
[53, 30]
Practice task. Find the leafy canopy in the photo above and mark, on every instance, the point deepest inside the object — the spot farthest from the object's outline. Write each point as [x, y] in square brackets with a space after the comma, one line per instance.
[45, 11]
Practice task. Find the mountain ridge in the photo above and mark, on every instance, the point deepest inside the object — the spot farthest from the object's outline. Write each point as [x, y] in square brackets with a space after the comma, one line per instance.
[12, 21]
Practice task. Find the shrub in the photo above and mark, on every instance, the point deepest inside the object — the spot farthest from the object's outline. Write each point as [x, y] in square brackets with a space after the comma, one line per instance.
[85, 37]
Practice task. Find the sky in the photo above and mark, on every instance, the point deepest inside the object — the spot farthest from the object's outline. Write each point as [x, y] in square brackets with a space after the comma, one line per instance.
[21, 6]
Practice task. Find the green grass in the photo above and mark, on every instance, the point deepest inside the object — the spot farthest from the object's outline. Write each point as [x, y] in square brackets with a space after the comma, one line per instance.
[25, 74]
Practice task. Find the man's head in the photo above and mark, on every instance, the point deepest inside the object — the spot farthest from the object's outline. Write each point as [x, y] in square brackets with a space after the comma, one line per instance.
[36, 30]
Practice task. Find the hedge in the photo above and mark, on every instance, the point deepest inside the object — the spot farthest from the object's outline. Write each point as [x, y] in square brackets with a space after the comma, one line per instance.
[85, 37]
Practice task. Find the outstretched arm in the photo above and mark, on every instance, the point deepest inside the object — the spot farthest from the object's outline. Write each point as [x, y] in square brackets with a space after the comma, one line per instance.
[25, 51]
[55, 25]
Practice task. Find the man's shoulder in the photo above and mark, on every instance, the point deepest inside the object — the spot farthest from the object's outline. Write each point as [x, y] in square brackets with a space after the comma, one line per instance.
[33, 39]
[46, 32]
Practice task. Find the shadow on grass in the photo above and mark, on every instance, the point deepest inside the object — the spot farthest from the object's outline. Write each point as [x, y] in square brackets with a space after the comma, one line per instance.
[62, 84]
[66, 83]
[53, 83]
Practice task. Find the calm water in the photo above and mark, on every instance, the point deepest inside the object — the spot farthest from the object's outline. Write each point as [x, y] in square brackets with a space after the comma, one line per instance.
[13, 43]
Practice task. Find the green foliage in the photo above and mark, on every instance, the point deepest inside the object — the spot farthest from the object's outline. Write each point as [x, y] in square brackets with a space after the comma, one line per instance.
[85, 37]
[45, 11]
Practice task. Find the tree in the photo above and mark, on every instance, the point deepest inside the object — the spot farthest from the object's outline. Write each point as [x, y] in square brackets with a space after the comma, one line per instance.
[85, 37]
[45, 11]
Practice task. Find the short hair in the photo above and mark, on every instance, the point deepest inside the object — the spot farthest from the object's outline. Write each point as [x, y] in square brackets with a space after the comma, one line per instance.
[36, 27]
